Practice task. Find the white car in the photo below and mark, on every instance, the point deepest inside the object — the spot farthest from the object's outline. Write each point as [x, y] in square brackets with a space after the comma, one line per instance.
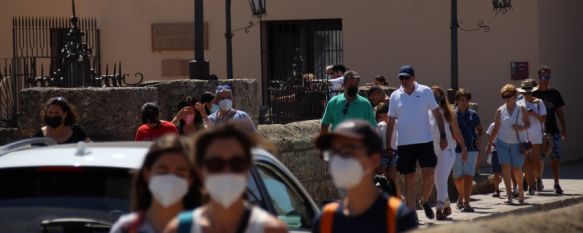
[86, 187]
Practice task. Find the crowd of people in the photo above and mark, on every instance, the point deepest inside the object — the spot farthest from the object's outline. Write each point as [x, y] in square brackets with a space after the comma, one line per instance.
[421, 128]
[193, 177]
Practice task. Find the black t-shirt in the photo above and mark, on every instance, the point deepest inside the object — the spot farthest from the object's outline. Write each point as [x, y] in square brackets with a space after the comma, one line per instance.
[77, 136]
[374, 220]
[553, 100]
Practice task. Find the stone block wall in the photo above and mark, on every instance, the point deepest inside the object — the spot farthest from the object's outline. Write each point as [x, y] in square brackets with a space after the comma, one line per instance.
[296, 150]
[115, 113]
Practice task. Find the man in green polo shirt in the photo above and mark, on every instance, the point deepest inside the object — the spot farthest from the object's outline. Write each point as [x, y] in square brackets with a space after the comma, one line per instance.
[348, 105]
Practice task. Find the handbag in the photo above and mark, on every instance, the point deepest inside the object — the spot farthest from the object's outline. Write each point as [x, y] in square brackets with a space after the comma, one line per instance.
[525, 146]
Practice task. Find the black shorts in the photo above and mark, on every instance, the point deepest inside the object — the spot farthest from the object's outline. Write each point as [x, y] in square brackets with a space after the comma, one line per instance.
[410, 154]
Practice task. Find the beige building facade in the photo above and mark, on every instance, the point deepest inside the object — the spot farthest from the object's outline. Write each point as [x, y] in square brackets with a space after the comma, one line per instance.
[377, 37]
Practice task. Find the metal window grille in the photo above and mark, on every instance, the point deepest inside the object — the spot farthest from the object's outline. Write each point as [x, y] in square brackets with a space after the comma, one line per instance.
[289, 50]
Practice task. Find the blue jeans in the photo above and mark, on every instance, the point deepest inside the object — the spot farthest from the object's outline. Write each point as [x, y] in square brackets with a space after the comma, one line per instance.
[509, 154]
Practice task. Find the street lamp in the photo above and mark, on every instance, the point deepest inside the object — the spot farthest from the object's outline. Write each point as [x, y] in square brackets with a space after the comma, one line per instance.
[258, 8]
[500, 6]
[198, 67]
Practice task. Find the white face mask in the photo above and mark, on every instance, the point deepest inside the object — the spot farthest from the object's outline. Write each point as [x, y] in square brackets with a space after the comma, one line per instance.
[225, 104]
[347, 173]
[168, 189]
[225, 188]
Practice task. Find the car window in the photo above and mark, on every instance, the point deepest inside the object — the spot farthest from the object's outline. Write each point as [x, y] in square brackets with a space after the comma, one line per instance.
[291, 206]
[32, 195]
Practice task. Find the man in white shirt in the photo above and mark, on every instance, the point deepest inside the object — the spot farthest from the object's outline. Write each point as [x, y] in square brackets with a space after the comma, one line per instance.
[336, 73]
[410, 104]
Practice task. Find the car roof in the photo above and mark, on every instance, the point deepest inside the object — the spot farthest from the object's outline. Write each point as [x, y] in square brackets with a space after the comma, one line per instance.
[125, 154]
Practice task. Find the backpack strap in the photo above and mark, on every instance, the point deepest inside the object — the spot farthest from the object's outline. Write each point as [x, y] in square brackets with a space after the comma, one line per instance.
[393, 206]
[185, 221]
[327, 219]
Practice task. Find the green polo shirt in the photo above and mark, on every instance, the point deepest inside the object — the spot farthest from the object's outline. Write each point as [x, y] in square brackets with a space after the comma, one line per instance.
[359, 108]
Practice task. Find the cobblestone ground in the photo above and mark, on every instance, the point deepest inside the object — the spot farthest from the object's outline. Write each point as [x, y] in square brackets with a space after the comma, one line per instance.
[488, 207]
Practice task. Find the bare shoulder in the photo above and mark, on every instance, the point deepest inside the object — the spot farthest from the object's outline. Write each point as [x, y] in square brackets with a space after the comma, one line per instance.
[274, 225]
[172, 227]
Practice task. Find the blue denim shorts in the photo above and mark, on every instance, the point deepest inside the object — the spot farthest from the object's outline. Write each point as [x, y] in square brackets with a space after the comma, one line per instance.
[465, 168]
[509, 154]
[388, 161]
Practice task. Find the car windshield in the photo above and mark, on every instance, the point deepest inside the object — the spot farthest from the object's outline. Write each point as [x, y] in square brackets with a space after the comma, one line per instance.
[50, 197]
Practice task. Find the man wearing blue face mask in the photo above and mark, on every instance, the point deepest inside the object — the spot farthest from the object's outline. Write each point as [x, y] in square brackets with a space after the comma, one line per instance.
[226, 112]
[353, 150]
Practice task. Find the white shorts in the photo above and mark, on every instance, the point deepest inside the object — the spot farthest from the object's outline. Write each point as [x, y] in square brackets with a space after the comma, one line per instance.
[535, 136]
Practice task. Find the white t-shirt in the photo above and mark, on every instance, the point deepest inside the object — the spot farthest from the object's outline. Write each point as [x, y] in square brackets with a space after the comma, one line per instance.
[413, 125]
[451, 143]
[489, 132]
[336, 83]
[506, 132]
[382, 129]
[536, 127]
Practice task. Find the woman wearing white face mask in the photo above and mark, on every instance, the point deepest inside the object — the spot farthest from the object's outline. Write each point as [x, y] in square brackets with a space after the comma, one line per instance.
[164, 186]
[226, 112]
[223, 159]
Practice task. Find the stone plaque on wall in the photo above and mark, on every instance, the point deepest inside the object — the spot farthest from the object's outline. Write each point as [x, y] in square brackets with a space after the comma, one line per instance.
[175, 36]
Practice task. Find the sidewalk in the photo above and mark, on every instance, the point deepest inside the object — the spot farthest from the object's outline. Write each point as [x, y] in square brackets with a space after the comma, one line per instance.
[487, 206]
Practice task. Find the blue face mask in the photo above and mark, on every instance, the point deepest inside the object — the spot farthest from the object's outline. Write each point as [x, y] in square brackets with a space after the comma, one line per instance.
[214, 108]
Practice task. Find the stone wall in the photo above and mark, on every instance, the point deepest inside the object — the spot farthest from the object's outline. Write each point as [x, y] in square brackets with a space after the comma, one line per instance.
[8, 135]
[295, 145]
[114, 113]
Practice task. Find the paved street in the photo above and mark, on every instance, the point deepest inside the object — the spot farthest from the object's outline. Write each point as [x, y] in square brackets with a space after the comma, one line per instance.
[487, 206]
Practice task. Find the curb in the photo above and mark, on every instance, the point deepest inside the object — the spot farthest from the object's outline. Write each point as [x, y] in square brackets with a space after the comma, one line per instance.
[533, 208]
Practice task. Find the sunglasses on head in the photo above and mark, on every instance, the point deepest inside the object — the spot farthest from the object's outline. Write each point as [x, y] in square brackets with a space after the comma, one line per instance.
[404, 78]
[237, 164]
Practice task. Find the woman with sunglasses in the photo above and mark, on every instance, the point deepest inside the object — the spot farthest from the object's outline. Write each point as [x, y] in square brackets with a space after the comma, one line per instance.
[511, 121]
[60, 121]
[536, 113]
[447, 157]
[223, 158]
[164, 186]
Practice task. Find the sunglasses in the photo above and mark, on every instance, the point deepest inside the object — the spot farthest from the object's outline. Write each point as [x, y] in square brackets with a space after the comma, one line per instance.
[507, 96]
[345, 109]
[237, 164]
[404, 78]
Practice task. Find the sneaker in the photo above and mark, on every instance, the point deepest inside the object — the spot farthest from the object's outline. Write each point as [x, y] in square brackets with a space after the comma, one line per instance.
[515, 192]
[447, 211]
[531, 191]
[496, 194]
[558, 189]
[428, 211]
[468, 209]
[459, 205]
[539, 185]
